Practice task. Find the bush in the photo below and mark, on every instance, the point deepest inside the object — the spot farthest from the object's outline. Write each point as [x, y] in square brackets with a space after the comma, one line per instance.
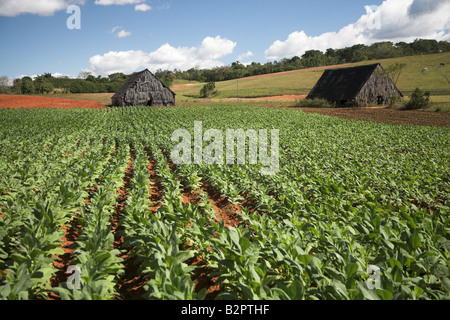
[394, 99]
[419, 100]
[208, 90]
[314, 103]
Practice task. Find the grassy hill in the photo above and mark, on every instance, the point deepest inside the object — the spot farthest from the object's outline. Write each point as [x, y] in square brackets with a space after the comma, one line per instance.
[300, 82]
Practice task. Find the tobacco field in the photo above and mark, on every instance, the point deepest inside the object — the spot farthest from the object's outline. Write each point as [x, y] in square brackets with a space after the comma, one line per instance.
[97, 189]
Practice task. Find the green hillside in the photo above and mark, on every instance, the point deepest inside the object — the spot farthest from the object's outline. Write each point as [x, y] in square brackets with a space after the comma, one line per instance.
[301, 82]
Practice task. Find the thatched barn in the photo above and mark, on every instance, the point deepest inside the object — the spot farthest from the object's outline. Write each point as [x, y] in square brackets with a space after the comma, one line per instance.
[143, 89]
[355, 86]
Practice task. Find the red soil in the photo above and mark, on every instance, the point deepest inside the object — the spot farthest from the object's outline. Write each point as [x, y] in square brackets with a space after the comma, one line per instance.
[28, 102]
[156, 193]
[71, 234]
[130, 286]
[386, 115]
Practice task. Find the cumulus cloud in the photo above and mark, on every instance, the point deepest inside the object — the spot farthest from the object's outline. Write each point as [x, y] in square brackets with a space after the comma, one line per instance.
[215, 48]
[142, 7]
[420, 7]
[243, 56]
[393, 20]
[12, 8]
[123, 34]
[166, 57]
[120, 34]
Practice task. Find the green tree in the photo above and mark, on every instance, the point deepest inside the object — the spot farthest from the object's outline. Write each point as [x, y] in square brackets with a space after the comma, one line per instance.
[208, 90]
[118, 76]
[4, 84]
[27, 86]
[42, 84]
[166, 77]
[418, 100]
[393, 72]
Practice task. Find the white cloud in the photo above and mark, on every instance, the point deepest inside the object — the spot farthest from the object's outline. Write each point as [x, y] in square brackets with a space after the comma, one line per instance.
[420, 7]
[165, 57]
[117, 2]
[214, 48]
[142, 7]
[12, 8]
[393, 20]
[113, 61]
[123, 34]
[243, 56]
[61, 75]
[115, 29]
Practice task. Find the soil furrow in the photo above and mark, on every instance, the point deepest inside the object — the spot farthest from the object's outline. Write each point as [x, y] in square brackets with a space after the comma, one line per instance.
[156, 191]
[130, 285]
[224, 210]
[72, 232]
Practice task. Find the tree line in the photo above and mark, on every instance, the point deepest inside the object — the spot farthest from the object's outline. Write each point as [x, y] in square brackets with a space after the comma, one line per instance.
[87, 83]
[313, 58]
[46, 83]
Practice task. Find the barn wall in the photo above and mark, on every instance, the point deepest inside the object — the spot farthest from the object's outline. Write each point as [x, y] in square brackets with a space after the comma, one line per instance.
[375, 87]
[146, 90]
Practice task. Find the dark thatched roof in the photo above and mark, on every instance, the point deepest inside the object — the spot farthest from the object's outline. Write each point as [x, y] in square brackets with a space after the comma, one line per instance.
[129, 83]
[346, 84]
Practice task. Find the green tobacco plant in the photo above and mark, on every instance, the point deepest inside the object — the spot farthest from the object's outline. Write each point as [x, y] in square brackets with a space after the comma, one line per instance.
[349, 195]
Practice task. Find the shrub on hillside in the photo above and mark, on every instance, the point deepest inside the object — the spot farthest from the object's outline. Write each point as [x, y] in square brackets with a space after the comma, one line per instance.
[419, 100]
[208, 90]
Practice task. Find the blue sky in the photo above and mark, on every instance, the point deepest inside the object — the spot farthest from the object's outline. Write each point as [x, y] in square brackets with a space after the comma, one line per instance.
[130, 35]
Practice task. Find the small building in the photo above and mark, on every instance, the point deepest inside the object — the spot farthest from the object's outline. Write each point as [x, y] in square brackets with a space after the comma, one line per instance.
[143, 89]
[355, 86]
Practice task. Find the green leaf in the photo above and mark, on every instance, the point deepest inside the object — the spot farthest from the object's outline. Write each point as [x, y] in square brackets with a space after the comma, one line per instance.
[244, 243]
[394, 263]
[351, 270]
[418, 291]
[185, 255]
[384, 294]
[415, 240]
[388, 244]
[368, 294]
[305, 259]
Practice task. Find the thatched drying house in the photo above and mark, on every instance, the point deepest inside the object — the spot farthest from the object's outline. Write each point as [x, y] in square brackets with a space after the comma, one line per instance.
[143, 89]
[355, 86]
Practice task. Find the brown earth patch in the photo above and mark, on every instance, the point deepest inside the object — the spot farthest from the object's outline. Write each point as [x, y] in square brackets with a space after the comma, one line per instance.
[30, 102]
[286, 97]
[386, 115]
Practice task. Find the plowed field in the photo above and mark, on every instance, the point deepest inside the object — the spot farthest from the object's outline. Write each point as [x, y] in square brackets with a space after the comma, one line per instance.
[17, 102]
[387, 115]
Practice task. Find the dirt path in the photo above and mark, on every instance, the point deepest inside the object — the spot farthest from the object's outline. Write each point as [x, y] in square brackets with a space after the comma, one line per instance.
[286, 97]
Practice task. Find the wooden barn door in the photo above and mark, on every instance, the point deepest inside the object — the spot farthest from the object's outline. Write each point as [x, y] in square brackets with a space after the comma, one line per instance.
[150, 101]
